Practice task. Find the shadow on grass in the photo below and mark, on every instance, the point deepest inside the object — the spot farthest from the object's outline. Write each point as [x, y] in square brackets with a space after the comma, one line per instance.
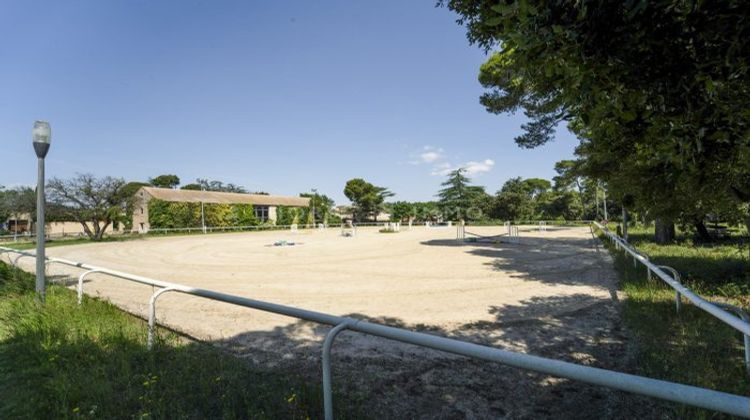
[53, 376]
[691, 346]
[61, 360]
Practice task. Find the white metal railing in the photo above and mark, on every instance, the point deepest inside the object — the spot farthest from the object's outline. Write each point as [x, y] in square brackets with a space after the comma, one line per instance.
[740, 322]
[670, 391]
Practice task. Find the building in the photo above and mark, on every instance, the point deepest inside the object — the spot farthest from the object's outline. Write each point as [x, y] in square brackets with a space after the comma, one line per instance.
[264, 206]
[22, 224]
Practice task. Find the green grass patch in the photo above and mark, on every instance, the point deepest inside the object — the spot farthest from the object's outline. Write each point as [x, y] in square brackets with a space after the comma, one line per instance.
[70, 241]
[691, 346]
[720, 268]
[61, 360]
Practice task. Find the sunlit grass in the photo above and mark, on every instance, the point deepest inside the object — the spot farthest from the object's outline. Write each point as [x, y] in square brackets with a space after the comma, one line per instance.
[691, 346]
[60, 360]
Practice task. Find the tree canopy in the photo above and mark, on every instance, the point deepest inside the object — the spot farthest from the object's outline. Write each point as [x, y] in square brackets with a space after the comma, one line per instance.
[458, 197]
[165, 181]
[367, 198]
[93, 202]
[656, 91]
[213, 185]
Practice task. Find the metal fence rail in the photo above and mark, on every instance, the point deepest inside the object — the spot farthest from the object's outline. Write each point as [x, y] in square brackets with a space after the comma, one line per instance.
[685, 394]
[721, 311]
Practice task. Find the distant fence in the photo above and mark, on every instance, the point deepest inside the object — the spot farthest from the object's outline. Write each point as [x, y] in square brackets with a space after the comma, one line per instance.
[685, 394]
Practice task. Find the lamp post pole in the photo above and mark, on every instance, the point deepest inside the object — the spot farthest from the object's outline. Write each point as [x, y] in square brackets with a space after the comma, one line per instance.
[203, 214]
[41, 134]
[315, 192]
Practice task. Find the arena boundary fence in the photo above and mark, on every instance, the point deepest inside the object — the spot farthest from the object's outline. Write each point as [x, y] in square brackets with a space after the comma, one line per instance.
[670, 391]
[731, 315]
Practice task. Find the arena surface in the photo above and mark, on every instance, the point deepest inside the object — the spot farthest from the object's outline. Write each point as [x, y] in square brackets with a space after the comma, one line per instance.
[551, 294]
[418, 276]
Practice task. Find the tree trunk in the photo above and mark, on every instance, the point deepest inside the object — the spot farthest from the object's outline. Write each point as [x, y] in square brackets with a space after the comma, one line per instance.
[624, 223]
[702, 231]
[664, 231]
[86, 229]
[102, 230]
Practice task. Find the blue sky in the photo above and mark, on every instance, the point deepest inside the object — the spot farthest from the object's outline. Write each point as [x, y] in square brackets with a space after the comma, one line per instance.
[278, 96]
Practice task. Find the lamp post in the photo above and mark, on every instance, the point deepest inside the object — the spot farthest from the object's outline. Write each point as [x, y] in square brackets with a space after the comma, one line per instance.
[203, 213]
[315, 193]
[41, 135]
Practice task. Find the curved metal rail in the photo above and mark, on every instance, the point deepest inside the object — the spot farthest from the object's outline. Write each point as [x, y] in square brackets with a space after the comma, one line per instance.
[740, 322]
[670, 391]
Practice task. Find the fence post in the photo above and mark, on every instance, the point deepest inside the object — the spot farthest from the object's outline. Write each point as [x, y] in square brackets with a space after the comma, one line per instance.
[80, 284]
[327, 388]
[152, 315]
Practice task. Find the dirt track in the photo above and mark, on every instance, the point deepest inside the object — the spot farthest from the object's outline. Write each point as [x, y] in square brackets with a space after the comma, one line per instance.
[552, 294]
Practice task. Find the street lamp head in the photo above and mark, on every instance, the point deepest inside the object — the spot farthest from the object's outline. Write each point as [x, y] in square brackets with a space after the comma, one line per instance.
[41, 135]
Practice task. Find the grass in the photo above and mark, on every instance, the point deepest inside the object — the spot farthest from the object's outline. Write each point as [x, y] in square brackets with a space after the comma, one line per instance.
[71, 241]
[61, 360]
[720, 268]
[27, 242]
[692, 346]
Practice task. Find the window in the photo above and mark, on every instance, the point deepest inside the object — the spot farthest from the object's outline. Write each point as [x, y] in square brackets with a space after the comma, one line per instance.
[141, 210]
[261, 213]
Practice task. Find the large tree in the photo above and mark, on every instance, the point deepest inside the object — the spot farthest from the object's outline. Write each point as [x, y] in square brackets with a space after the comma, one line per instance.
[367, 198]
[656, 91]
[17, 201]
[514, 201]
[458, 198]
[93, 202]
[165, 181]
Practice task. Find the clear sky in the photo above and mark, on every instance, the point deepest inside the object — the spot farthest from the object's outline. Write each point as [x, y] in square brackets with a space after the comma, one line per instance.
[279, 96]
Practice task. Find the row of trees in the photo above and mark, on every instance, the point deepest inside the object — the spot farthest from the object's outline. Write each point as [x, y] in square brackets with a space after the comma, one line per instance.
[569, 196]
[656, 92]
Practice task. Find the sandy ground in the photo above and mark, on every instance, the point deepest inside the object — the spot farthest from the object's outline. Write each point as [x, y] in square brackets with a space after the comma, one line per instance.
[551, 294]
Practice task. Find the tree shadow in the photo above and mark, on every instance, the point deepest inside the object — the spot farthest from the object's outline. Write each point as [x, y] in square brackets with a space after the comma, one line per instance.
[564, 261]
[119, 378]
[398, 380]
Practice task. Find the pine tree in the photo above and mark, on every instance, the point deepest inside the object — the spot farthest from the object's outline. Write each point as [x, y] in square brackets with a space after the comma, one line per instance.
[457, 196]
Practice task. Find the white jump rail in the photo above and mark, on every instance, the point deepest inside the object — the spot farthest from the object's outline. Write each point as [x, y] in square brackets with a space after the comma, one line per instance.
[685, 394]
[718, 310]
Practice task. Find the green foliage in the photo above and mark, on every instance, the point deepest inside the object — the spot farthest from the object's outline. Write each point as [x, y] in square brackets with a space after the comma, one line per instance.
[192, 187]
[19, 200]
[165, 181]
[62, 360]
[691, 347]
[366, 198]
[93, 202]
[323, 207]
[219, 186]
[166, 214]
[458, 200]
[402, 211]
[655, 91]
[285, 216]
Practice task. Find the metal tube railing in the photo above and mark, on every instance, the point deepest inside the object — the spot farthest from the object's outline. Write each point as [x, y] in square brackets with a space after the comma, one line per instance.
[698, 301]
[741, 322]
[685, 394]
